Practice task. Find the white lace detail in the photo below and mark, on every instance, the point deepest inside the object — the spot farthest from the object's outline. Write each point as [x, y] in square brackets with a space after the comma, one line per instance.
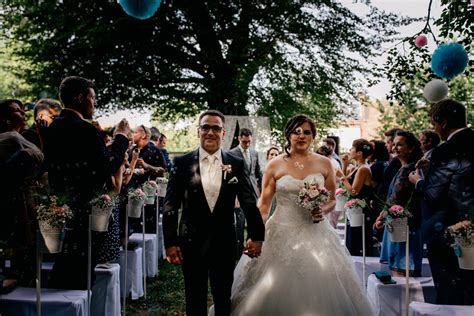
[303, 269]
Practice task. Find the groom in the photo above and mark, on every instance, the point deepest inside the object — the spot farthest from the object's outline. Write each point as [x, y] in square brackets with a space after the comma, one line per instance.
[204, 184]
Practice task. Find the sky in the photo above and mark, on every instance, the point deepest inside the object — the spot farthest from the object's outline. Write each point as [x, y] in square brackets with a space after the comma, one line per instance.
[411, 8]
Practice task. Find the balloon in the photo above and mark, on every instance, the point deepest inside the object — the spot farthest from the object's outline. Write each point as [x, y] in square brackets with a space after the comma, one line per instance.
[421, 41]
[435, 90]
[140, 9]
[449, 60]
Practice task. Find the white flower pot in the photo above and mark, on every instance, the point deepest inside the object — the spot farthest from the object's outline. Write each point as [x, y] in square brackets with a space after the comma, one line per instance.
[134, 208]
[52, 236]
[466, 260]
[397, 229]
[340, 201]
[100, 218]
[162, 189]
[150, 200]
[355, 216]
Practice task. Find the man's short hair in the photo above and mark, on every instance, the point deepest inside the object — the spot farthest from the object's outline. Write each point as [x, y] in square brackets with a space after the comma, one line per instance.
[330, 141]
[391, 132]
[432, 137]
[212, 113]
[73, 86]
[245, 132]
[46, 104]
[162, 136]
[450, 111]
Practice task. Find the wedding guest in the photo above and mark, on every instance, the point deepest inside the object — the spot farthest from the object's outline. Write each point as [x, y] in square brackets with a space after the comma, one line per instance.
[359, 185]
[401, 192]
[44, 112]
[272, 152]
[161, 144]
[152, 164]
[20, 160]
[447, 189]
[429, 140]
[333, 217]
[393, 163]
[253, 172]
[330, 143]
[80, 168]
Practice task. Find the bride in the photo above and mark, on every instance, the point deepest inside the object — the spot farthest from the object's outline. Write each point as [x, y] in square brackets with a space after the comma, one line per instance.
[303, 269]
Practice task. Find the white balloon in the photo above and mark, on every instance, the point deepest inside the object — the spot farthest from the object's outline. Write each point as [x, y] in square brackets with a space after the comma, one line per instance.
[435, 90]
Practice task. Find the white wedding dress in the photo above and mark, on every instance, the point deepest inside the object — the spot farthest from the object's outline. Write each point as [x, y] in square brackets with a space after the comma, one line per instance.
[303, 268]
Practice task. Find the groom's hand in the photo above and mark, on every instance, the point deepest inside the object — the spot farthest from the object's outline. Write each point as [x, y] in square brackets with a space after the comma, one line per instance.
[253, 249]
[173, 255]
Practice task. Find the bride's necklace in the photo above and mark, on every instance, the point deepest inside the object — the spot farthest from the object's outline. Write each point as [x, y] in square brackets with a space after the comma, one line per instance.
[300, 165]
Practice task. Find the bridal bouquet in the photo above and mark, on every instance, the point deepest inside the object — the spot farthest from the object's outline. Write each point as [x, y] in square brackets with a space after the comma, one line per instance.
[312, 196]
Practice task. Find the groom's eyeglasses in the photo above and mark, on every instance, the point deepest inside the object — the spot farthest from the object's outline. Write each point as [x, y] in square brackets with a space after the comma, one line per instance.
[206, 128]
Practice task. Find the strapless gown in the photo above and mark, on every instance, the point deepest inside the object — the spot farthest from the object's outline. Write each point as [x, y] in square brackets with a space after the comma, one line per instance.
[303, 268]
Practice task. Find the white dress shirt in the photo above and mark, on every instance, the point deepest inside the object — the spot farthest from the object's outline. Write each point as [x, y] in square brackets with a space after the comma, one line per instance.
[210, 167]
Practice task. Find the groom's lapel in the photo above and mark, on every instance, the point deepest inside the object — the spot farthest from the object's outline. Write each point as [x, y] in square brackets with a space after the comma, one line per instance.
[226, 160]
[196, 174]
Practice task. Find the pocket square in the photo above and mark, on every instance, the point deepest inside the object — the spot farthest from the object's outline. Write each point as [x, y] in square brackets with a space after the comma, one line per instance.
[233, 180]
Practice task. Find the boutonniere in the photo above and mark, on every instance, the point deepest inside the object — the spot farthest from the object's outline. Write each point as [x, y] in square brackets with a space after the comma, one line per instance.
[226, 168]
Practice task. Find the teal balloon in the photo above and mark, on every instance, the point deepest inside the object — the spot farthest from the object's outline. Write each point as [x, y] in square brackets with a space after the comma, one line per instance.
[140, 9]
[449, 60]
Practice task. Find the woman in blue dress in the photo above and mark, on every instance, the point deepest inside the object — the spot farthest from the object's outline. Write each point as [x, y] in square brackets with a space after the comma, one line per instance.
[401, 192]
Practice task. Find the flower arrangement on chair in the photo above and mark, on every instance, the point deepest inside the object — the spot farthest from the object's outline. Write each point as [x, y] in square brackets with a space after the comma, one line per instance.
[312, 196]
[52, 215]
[354, 209]
[150, 188]
[463, 234]
[136, 199]
[397, 221]
[101, 209]
[162, 184]
[342, 196]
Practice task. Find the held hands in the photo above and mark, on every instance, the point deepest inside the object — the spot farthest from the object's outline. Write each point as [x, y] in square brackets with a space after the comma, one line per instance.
[253, 248]
[174, 255]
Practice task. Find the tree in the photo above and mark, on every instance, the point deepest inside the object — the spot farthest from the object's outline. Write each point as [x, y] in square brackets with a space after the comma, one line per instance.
[238, 56]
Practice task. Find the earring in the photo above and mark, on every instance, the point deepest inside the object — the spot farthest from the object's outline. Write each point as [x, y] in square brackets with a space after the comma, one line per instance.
[8, 122]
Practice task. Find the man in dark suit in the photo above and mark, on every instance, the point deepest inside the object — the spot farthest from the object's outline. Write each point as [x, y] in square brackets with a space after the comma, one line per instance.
[204, 184]
[80, 167]
[252, 170]
[448, 192]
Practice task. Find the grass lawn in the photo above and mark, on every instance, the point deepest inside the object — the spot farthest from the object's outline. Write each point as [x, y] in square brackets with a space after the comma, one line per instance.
[165, 294]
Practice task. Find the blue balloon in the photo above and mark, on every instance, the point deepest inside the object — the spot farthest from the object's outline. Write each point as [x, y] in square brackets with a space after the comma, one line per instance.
[449, 60]
[140, 9]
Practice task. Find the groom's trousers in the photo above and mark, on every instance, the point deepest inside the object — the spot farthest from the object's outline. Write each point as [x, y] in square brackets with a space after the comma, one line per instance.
[217, 266]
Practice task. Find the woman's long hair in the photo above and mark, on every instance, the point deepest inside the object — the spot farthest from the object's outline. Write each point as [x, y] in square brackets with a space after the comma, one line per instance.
[292, 124]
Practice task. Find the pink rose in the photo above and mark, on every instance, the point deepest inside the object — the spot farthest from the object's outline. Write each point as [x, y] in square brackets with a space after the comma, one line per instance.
[106, 198]
[340, 191]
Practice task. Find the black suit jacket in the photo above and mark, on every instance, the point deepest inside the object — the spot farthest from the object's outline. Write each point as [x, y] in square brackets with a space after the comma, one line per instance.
[79, 165]
[253, 171]
[198, 227]
[448, 186]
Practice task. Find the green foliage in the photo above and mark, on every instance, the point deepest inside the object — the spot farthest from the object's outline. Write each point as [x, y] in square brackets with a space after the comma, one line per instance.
[412, 113]
[182, 136]
[408, 68]
[236, 56]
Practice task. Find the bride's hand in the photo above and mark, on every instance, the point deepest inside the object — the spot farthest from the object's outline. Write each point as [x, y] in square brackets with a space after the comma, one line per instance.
[317, 215]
